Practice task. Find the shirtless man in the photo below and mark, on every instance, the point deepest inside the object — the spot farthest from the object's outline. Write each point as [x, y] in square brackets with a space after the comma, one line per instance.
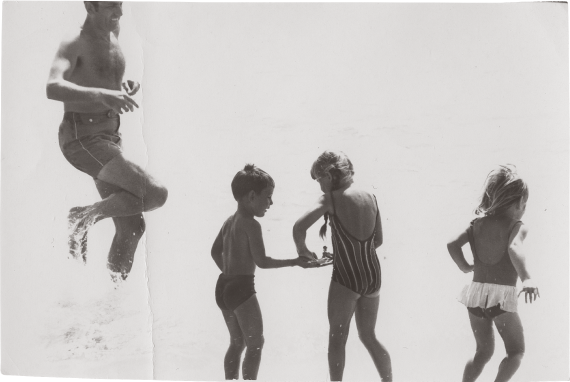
[87, 76]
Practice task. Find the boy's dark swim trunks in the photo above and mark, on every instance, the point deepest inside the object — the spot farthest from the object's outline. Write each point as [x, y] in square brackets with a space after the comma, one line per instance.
[234, 290]
[89, 141]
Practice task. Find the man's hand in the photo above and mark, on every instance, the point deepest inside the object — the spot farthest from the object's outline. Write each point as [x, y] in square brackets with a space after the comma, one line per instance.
[131, 87]
[117, 100]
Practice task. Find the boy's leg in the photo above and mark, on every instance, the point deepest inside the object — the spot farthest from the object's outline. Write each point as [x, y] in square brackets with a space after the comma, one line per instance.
[341, 306]
[251, 324]
[128, 231]
[365, 316]
[485, 339]
[510, 328]
[237, 344]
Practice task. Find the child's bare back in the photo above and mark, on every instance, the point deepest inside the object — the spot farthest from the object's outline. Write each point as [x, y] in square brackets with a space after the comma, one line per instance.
[238, 234]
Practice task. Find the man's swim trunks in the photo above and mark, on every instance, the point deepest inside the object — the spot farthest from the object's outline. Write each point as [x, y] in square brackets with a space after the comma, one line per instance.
[89, 141]
[234, 290]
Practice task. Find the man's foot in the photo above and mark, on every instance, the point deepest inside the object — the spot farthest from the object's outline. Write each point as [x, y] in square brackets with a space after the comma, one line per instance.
[118, 277]
[80, 219]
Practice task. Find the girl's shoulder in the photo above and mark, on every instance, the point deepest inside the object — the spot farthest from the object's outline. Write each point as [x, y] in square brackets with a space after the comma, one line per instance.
[357, 191]
[491, 222]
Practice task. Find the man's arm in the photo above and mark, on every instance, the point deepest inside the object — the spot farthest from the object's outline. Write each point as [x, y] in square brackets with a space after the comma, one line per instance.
[59, 88]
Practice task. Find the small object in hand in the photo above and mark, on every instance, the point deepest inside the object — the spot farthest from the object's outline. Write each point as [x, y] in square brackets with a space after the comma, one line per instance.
[325, 260]
[327, 254]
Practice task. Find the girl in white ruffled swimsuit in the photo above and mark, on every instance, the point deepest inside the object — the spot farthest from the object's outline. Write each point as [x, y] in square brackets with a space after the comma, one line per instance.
[496, 242]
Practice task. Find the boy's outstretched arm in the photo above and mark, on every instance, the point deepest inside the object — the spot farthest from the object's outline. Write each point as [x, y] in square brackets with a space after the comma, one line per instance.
[517, 256]
[454, 248]
[257, 250]
[217, 249]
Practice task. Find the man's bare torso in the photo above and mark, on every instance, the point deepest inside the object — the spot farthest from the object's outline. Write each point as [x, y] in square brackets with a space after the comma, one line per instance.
[98, 64]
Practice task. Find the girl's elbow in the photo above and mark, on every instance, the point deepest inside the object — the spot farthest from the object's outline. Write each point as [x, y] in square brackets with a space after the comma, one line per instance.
[297, 231]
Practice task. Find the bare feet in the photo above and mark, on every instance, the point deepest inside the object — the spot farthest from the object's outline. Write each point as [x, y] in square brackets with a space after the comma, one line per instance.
[80, 219]
[117, 276]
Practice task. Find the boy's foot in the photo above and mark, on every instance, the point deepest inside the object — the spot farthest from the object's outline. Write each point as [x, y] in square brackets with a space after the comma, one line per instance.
[80, 219]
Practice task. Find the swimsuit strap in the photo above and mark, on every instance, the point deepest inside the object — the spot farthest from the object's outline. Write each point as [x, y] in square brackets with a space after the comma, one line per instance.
[334, 209]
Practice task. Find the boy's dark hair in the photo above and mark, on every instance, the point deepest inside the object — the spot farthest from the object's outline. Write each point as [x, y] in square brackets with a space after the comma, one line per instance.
[248, 179]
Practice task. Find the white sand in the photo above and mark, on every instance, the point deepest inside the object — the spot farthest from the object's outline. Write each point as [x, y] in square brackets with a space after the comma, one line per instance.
[425, 100]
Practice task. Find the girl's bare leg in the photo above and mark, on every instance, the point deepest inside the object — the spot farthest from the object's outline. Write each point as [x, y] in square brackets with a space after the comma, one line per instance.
[251, 323]
[237, 345]
[341, 306]
[366, 314]
[483, 332]
[510, 328]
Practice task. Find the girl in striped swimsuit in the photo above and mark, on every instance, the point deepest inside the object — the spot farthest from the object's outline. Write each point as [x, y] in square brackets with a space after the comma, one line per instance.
[496, 242]
[356, 233]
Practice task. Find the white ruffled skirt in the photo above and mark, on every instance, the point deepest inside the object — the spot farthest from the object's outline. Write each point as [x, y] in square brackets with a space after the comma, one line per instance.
[484, 295]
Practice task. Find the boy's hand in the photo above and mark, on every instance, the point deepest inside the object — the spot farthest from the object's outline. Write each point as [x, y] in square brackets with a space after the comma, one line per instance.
[529, 290]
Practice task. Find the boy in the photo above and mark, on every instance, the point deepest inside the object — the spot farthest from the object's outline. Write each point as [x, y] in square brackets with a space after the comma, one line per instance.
[237, 250]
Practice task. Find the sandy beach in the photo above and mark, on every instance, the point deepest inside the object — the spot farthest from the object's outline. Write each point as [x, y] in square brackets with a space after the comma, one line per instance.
[425, 100]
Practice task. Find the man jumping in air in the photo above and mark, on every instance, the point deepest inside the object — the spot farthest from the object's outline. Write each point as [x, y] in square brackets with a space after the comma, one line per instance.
[87, 76]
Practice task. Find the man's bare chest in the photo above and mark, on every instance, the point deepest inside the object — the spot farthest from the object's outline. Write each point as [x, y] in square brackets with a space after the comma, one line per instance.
[102, 59]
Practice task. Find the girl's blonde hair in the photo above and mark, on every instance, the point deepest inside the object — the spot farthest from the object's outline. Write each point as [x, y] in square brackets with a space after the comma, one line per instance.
[339, 166]
[503, 188]
[335, 163]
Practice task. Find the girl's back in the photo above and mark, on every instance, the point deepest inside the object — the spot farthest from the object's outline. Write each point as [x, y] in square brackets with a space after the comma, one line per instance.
[490, 238]
[357, 211]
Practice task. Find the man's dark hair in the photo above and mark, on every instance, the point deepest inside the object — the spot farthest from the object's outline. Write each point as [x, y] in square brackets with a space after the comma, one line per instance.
[248, 179]
[94, 3]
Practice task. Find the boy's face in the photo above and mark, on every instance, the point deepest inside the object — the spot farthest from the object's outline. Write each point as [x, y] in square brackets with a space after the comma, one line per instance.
[261, 202]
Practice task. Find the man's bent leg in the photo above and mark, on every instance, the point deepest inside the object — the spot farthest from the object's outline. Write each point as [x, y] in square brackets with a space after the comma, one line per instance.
[135, 180]
[128, 231]
[136, 191]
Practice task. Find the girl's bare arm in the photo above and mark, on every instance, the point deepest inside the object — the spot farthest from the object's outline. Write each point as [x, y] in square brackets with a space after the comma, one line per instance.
[305, 222]
[378, 237]
[518, 258]
[454, 248]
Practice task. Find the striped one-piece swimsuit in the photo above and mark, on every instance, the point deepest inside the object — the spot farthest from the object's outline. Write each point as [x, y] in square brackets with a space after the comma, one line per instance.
[355, 264]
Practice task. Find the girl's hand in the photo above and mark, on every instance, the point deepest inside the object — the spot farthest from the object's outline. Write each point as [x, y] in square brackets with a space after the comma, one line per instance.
[469, 268]
[529, 290]
[308, 254]
[304, 262]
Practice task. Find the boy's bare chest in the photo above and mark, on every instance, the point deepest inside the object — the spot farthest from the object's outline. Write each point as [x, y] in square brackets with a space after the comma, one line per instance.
[102, 60]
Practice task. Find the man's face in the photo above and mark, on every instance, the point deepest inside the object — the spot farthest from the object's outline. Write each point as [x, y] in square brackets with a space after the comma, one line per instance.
[108, 14]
